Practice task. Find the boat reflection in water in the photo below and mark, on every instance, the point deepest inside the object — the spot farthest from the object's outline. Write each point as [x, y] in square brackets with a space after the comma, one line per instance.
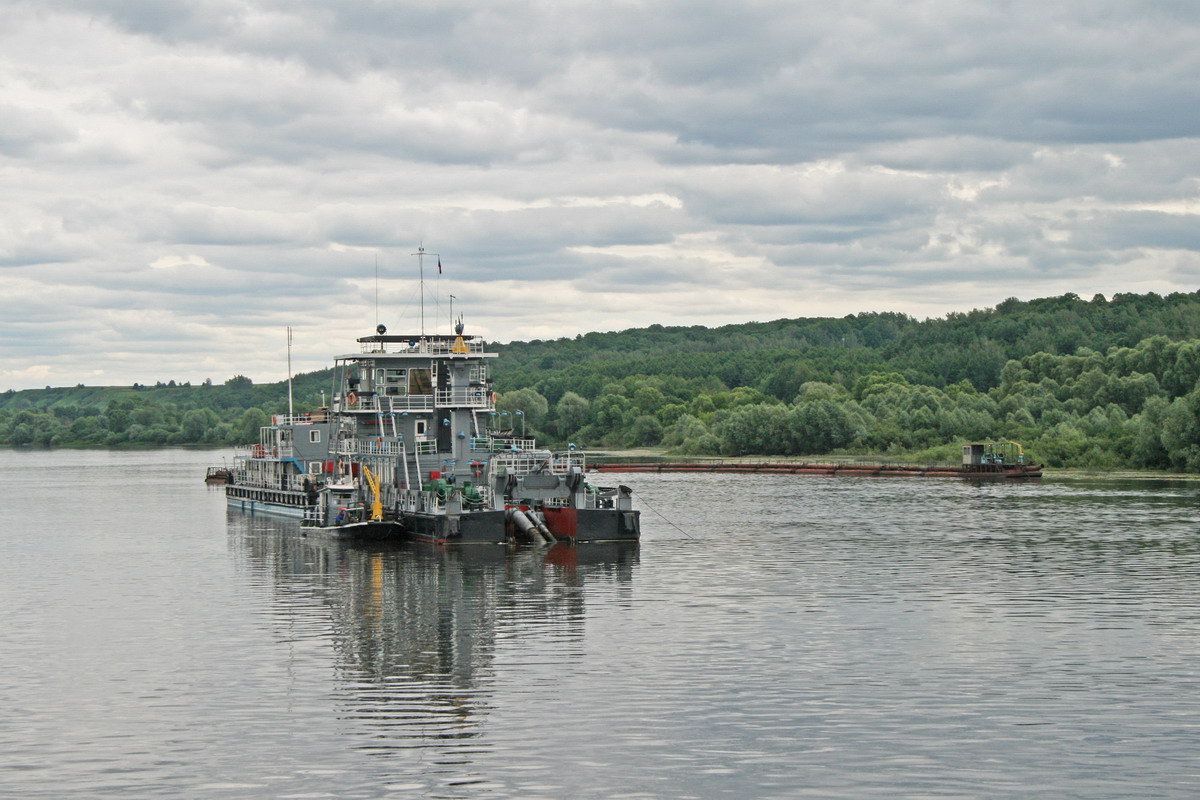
[420, 637]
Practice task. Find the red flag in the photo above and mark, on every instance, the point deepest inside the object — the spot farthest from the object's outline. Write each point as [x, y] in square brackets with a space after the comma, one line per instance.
[439, 266]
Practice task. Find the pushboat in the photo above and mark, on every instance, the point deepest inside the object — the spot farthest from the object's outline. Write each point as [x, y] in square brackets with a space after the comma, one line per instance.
[408, 449]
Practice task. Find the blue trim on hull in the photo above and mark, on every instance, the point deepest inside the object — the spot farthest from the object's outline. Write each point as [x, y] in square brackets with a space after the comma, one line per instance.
[260, 507]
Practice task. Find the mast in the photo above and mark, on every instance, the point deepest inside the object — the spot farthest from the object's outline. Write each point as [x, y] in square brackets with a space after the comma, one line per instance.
[420, 254]
[289, 349]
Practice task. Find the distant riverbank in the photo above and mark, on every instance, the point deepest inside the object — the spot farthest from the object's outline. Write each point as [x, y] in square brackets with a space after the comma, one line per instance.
[664, 454]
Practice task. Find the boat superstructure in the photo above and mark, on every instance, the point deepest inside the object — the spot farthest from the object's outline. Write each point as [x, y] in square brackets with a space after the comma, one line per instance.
[282, 473]
[409, 448]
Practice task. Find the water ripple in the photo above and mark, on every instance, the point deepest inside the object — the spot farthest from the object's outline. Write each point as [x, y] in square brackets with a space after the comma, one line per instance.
[802, 637]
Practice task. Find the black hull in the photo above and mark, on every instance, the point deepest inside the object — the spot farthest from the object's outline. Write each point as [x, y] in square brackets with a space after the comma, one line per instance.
[475, 527]
[593, 525]
[493, 527]
[566, 525]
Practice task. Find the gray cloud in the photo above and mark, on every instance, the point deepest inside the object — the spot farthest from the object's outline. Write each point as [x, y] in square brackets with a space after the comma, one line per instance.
[180, 182]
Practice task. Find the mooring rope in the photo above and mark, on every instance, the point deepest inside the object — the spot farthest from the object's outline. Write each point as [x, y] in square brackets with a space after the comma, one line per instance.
[641, 498]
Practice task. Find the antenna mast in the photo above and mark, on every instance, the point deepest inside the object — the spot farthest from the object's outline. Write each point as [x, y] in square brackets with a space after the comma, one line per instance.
[420, 254]
[289, 348]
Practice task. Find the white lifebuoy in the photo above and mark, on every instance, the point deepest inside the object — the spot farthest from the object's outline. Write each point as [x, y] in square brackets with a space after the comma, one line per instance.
[352, 399]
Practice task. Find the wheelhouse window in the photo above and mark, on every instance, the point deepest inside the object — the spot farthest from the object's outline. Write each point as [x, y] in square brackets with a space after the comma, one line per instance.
[314, 436]
[420, 381]
[392, 382]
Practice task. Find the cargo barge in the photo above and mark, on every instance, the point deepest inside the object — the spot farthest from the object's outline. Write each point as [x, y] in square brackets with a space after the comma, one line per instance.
[981, 461]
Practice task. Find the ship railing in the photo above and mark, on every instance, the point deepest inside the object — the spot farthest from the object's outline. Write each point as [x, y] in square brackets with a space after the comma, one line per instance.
[426, 347]
[407, 402]
[426, 448]
[255, 480]
[464, 398]
[591, 497]
[371, 446]
[544, 461]
[492, 444]
[570, 461]
[588, 501]
[524, 463]
[300, 419]
[518, 463]
[245, 451]
[417, 501]
[386, 404]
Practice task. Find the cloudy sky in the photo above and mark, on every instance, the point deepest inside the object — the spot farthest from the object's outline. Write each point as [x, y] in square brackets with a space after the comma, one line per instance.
[179, 182]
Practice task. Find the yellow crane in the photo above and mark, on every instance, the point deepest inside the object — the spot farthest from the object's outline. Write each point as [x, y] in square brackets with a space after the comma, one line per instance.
[376, 504]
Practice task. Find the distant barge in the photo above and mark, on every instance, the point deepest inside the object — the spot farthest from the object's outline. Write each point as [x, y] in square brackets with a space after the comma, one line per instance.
[982, 461]
[802, 468]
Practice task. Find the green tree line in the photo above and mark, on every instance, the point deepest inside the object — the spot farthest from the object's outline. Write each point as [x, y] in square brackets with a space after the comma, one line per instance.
[1099, 383]
[163, 414]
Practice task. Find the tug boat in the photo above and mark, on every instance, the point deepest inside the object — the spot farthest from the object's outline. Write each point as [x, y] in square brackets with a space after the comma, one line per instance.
[408, 450]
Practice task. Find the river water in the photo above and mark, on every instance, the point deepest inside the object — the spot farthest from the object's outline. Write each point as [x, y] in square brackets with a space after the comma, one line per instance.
[773, 637]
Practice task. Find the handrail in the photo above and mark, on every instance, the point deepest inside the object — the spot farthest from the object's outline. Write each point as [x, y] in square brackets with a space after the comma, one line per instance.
[288, 483]
[426, 347]
[312, 418]
[374, 404]
[491, 444]
[386, 404]
[464, 397]
[422, 500]
[372, 446]
[245, 451]
[524, 463]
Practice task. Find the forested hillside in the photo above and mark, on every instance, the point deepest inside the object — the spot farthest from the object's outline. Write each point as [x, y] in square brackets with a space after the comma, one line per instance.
[1100, 383]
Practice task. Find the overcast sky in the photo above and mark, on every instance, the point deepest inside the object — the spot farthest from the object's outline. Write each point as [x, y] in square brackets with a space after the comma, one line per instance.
[180, 181]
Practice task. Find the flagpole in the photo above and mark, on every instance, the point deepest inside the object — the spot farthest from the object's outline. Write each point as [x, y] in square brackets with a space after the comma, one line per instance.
[420, 254]
[439, 284]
